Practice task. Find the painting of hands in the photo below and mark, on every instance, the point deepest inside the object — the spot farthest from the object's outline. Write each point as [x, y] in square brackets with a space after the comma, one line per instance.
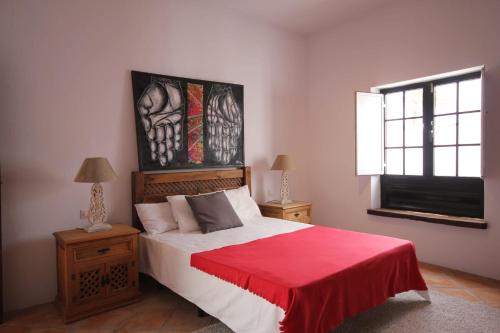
[224, 122]
[161, 110]
[186, 123]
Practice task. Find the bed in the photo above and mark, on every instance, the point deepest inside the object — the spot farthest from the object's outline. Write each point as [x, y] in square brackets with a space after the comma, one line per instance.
[167, 257]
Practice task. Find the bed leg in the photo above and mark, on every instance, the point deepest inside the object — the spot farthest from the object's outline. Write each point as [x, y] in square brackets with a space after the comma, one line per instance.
[424, 294]
[201, 313]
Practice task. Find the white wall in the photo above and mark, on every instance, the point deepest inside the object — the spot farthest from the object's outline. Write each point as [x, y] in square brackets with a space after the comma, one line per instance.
[408, 40]
[66, 94]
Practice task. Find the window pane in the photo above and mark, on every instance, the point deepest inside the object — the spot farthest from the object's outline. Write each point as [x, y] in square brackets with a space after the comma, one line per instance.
[413, 161]
[469, 161]
[394, 133]
[413, 103]
[445, 161]
[445, 130]
[413, 132]
[469, 128]
[445, 98]
[394, 105]
[469, 98]
[394, 161]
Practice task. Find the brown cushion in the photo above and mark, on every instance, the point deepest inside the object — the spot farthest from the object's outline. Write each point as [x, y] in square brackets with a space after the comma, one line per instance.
[213, 212]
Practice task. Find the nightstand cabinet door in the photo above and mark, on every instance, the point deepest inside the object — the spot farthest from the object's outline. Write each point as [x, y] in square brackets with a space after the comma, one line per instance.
[88, 283]
[122, 275]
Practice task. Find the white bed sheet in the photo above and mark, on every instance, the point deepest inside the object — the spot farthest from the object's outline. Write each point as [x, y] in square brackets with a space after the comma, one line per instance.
[166, 257]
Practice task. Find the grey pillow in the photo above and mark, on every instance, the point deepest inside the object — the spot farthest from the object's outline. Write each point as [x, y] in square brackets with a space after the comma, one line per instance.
[213, 212]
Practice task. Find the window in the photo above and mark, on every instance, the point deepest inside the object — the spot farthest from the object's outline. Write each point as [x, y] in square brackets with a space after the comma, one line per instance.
[431, 145]
[404, 132]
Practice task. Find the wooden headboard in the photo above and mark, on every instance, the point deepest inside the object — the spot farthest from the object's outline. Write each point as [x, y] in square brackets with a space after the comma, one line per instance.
[154, 187]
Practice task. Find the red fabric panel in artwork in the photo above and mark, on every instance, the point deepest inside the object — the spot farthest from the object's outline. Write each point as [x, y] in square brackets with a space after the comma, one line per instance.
[195, 123]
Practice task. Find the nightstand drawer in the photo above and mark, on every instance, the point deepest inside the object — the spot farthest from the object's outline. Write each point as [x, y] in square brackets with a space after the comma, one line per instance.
[104, 249]
[299, 216]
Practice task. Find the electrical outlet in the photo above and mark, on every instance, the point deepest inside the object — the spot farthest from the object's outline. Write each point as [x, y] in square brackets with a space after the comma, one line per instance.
[84, 214]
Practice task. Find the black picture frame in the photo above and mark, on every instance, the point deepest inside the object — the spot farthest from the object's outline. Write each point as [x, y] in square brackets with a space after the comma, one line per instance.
[161, 105]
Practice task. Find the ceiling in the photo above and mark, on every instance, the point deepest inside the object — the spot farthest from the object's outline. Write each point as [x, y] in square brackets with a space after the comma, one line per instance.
[304, 16]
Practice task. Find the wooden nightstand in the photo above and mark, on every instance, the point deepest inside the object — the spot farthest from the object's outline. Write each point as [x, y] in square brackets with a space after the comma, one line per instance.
[96, 271]
[299, 211]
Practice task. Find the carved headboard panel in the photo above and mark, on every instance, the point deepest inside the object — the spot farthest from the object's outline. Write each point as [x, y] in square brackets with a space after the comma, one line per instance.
[154, 187]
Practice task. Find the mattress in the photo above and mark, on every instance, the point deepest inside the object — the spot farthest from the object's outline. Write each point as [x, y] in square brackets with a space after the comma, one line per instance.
[166, 257]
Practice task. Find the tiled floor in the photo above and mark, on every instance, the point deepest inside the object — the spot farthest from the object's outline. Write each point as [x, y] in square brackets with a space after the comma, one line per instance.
[470, 287]
[162, 311]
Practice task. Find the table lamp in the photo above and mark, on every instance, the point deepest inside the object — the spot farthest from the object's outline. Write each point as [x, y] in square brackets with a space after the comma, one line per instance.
[96, 170]
[285, 164]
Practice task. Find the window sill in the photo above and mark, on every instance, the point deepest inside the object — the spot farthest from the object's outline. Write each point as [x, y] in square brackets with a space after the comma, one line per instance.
[465, 222]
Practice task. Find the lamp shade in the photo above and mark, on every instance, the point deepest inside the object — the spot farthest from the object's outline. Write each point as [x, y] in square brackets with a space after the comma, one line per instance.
[283, 162]
[95, 170]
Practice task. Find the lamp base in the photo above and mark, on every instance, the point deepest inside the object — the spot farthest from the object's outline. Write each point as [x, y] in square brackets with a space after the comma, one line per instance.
[285, 190]
[98, 227]
[97, 211]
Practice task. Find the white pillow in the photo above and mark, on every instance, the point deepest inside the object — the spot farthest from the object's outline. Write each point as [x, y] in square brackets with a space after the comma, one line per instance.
[156, 217]
[182, 213]
[245, 207]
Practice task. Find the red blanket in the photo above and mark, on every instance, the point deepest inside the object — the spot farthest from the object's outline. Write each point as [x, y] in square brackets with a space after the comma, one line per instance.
[319, 276]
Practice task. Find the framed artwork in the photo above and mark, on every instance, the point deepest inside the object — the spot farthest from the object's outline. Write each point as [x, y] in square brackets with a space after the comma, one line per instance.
[186, 123]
